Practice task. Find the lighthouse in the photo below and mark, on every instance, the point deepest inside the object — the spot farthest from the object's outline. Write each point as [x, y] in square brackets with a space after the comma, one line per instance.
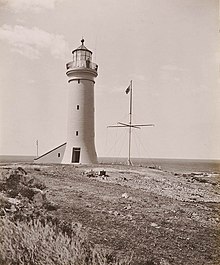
[81, 73]
[79, 147]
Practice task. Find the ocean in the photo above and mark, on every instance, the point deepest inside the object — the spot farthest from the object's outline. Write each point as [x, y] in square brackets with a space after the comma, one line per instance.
[171, 165]
[16, 159]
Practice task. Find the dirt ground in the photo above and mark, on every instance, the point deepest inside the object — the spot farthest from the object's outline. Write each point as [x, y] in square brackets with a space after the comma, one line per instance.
[158, 217]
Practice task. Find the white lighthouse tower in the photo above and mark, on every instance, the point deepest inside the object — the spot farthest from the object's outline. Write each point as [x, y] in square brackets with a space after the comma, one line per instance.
[80, 143]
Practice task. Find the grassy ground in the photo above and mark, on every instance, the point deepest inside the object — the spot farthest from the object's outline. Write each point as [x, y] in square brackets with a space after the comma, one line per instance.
[160, 217]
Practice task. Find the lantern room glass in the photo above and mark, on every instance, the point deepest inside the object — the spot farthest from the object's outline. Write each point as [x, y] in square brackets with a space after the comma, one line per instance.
[82, 55]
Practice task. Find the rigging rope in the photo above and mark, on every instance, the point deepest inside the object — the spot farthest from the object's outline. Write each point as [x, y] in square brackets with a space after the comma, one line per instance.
[146, 151]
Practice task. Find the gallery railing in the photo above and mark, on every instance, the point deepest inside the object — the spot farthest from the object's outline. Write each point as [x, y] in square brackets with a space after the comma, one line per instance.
[82, 64]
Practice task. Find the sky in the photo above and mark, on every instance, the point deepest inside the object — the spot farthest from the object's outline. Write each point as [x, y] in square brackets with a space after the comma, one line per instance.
[168, 48]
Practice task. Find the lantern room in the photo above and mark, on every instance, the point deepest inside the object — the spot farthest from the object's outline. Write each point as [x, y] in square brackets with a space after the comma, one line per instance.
[82, 57]
[82, 53]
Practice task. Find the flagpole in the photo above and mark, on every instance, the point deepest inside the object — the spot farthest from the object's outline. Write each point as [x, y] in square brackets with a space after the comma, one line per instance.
[37, 147]
[130, 122]
[129, 125]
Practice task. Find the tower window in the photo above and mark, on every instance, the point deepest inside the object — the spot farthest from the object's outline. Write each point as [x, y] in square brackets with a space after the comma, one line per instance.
[77, 133]
[78, 81]
[58, 154]
[77, 107]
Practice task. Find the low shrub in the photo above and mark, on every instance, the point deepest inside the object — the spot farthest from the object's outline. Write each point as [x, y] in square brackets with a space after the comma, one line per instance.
[43, 243]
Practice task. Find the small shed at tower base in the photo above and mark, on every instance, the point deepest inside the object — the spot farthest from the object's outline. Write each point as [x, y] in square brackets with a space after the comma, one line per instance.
[54, 156]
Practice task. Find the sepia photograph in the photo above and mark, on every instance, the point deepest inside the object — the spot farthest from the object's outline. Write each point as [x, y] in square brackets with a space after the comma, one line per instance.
[109, 132]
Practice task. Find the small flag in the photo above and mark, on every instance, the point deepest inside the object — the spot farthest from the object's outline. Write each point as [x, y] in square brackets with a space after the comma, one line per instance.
[128, 89]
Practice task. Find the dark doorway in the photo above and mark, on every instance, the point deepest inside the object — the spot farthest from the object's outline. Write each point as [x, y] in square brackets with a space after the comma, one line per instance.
[76, 155]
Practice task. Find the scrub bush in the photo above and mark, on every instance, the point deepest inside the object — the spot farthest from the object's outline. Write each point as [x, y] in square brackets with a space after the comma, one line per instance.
[43, 243]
